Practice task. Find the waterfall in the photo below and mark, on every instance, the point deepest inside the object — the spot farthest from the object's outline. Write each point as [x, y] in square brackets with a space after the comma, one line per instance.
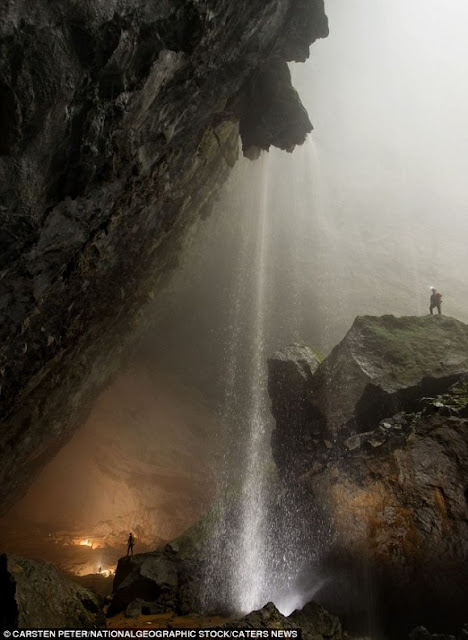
[255, 553]
[251, 570]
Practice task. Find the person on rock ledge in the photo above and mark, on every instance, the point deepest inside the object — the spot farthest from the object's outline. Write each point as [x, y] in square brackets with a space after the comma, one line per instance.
[436, 301]
[130, 544]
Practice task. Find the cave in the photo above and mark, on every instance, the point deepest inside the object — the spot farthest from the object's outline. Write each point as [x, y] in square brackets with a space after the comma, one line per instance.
[224, 399]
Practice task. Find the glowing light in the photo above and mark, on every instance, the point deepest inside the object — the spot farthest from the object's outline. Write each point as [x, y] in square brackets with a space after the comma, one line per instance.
[85, 543]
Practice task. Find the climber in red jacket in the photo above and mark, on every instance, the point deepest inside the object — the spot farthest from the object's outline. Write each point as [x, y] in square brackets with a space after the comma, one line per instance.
[436, 300]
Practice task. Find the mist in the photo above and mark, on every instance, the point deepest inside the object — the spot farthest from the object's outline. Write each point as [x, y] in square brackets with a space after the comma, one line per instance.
[386, 93]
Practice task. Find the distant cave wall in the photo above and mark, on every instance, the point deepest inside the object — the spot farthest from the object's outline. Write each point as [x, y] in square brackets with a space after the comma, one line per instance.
[142, 462]
[120, 122]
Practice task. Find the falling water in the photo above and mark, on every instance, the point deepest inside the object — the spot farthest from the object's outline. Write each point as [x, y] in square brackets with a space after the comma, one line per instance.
[225, 548]
[258, 547]
[250, 575]
[261, 555]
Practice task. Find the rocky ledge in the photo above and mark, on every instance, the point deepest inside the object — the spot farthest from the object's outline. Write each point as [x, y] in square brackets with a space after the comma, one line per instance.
[150, 583]
[119, 122]
[37, 595]
[374, 440]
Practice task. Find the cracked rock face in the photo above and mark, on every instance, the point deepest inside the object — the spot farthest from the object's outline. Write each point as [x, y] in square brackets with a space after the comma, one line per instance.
[385, 467]
[119, 122]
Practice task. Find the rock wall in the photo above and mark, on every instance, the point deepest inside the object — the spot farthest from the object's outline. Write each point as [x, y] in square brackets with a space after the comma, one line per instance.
[382, 469]
[119, 122]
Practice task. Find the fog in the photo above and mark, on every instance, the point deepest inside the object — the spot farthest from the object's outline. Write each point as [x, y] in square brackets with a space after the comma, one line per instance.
[388, 97]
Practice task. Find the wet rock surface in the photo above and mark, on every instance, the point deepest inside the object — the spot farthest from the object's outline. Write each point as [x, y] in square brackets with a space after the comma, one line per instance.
[314, 622]
[387, 479]
[119, 122]
[37, 595]
[290, 373]
[385, 364]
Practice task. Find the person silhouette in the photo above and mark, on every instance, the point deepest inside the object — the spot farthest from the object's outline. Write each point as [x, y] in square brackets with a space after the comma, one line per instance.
[130, 544]
[435, 301]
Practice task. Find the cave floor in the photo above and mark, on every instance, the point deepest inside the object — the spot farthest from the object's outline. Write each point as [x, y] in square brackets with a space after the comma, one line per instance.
[165, 621]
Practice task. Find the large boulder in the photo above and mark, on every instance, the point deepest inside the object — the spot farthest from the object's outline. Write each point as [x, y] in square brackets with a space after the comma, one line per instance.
[317, 623]
[36, 594]
[375, 444]
[382, 366]
[157, 581]
[385, 364]
[397, 509]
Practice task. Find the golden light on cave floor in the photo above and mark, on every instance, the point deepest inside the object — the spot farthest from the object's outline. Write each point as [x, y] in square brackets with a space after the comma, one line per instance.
[78, 555]
[84, 543]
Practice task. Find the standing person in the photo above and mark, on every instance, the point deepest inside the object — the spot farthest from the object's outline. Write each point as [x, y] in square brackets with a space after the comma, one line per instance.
[436, 300]
[130, 544]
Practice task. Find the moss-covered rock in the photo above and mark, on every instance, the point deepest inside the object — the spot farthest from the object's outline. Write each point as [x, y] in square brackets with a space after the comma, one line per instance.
[385, 365]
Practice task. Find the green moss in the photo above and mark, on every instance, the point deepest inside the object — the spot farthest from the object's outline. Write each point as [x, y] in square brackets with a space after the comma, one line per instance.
[318, 354]
[455, 400]
[412, 344]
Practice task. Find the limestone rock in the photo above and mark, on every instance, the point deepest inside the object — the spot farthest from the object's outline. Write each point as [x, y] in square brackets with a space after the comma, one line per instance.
[316, 623]
[385, 364]
[389, 496]
[272, 112]
[146, 578]
[37, 595]
[268, 617]
[313, 620]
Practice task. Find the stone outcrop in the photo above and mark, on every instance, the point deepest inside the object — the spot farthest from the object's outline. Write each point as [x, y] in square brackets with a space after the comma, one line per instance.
[154, 582]
[37, 595]
[119, 122]
[382, 366]
[316, 623]
[386, 466]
